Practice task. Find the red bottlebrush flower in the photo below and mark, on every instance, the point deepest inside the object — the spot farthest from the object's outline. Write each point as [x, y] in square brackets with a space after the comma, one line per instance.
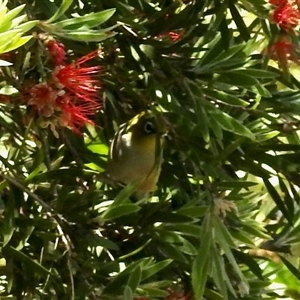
[57, 52]
[77, 79]
[42, 97]
[278, 2]
[174, 36]
[282, 50]
[287, 15]
[69, 98]
[74, 115]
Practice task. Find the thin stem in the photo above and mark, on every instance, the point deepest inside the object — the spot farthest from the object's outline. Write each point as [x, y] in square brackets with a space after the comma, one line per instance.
[60, 222]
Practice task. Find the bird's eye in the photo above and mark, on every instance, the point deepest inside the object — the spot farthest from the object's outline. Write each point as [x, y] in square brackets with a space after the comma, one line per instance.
[149, 127]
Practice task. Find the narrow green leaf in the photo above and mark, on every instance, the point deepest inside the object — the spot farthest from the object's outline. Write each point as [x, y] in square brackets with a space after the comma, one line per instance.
[16, 43]
[124, 195]
[200, 267]
[155, 293]
[128, 294]
[204, 122]
[8, 227]
[250, 262]
[179, 242]
[16, 21]
[36, 171]
[239, 21]
[61, 10]
[223, 231]
[214, 49]
[210, 294]
[278, 200]
[22, 257]
[119, 211]
[150, 271]
[254, 231]
[235, 184]
[236, 79]
[3, 12]
[121, 279]
[6, 37]
[195, 211]
[228, 55]
[291, 267]
[243, 237]
[224, 97]
[257, 73]
[187, 229]
[10, 15]
[135, 278]
[222, 241]
[89, 21]
[261, 90]
[104, 242]
[135, 251]
[230, 124]
[174, 253]
[87, 36]
[288, 200]
[219, 273]
[216, 128]
[27, 233]
[293, 190]
[26, 26]
[225, 33]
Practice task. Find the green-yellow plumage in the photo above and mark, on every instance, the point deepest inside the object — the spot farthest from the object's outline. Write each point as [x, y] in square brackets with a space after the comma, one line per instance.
[135, 155]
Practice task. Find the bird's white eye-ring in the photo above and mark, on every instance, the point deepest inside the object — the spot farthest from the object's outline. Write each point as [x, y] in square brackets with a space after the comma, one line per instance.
[149, 127]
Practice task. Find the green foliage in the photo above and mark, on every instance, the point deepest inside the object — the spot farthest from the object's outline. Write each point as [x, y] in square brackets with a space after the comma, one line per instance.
[224, 220]
[12, 29]
[80, 28]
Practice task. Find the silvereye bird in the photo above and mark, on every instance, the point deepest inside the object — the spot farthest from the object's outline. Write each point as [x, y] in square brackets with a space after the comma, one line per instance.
[135, 155]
